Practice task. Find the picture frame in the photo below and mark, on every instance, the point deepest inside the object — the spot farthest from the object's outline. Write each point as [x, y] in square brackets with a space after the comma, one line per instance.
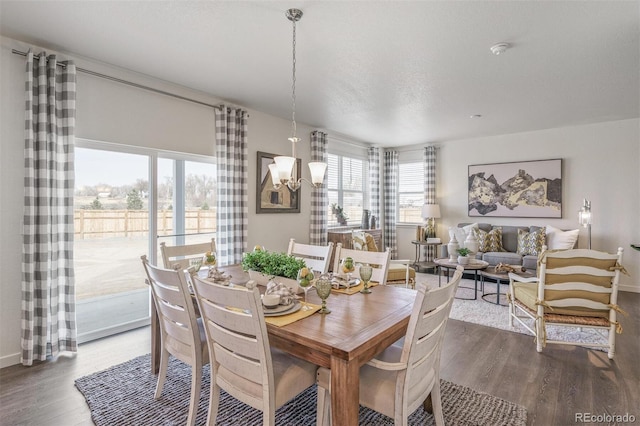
[516, 189]
[269, 199]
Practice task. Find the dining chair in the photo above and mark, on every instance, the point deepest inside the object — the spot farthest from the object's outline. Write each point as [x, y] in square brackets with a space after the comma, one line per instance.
[379, 259]
[242, 361]
[181, 332]
[172, 256]
[400, 379]
[400, 270]
[574, 288]
[317, 258]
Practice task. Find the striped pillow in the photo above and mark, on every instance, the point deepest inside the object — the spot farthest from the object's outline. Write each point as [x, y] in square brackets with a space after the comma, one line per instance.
[530, 243]
[489, 241]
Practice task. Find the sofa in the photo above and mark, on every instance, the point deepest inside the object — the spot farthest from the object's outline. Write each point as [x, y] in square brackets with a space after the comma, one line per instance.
[533, 238]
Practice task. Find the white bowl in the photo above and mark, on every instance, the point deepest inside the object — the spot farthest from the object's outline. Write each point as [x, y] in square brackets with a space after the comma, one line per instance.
[271, 300]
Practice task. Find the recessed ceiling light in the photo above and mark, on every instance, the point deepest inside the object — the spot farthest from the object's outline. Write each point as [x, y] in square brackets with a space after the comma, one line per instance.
[475, 116]
[499, 48]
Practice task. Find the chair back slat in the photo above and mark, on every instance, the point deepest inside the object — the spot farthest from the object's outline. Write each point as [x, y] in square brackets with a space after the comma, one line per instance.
[242, 366]
[228, 316]
[316, 258]
[179, 256]
[374, 258]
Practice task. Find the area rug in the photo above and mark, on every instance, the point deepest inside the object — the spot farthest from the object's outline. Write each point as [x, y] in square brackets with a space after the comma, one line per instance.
[123, 395]
[483, 312]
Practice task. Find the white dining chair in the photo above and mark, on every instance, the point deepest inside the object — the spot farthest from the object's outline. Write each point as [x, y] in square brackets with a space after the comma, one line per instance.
[400, 379]
[379, 259]
[172, 256]
[317, 258]
[243, 363]
[181, 332]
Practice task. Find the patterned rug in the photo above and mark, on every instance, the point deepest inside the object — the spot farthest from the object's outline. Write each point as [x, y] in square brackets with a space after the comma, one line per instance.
[483, 312]
[123, 395]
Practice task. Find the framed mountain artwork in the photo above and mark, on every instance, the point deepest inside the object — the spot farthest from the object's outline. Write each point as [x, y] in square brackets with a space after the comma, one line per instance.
[522, 189]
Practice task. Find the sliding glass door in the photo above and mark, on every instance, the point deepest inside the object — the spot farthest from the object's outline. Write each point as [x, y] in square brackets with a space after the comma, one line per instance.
[127, 200]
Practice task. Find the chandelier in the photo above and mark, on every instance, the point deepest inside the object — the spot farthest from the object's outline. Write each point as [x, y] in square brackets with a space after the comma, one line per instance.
[283, 171]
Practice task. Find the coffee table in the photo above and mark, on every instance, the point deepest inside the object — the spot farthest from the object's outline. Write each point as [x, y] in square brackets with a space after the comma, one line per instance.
[474, 265]
[490, 272]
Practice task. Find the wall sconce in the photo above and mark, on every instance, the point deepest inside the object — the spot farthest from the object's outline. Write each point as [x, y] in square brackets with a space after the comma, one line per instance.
[584, 219]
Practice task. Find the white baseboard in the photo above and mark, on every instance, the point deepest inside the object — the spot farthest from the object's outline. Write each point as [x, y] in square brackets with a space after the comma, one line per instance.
[629, 288]
[9, 360]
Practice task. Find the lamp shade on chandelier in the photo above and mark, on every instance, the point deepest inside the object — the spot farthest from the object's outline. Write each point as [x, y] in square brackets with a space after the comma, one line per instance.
[283, 171]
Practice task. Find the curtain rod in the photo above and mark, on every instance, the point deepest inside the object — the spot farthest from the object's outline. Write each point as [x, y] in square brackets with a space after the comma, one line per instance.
[128, 83]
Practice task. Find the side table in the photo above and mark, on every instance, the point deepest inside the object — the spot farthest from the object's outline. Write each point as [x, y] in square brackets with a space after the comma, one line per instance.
[474, 265]
[428, 263]
[490, 272]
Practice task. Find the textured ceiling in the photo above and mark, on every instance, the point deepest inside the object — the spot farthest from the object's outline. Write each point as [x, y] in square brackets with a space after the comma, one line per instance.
[390, 73]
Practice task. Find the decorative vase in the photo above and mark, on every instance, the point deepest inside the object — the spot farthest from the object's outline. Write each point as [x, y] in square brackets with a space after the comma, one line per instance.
[452, 247]
[365, 219]
[472, 243]
[463, 260]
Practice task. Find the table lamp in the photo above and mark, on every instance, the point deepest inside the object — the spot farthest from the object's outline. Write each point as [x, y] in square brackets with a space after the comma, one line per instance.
[430, 212]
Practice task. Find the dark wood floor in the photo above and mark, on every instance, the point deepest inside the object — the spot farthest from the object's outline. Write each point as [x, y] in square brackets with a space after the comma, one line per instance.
[553, 385]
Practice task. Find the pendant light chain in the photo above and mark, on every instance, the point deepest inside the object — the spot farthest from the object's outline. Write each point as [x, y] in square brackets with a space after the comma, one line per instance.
[293, 85]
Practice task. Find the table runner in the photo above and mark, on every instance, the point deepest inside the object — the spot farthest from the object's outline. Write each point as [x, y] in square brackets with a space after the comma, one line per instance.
[283, 320]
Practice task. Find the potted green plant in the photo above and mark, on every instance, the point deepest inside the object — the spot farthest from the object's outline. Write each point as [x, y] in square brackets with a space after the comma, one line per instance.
[463, 255]
[264, 265]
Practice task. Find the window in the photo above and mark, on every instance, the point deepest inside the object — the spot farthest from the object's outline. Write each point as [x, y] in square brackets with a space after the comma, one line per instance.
[346, 187]
[410, 192]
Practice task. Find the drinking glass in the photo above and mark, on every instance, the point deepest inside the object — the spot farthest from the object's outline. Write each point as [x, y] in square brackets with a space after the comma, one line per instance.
[348, 267]
[365, 275]
[323, 288]
[305, 276]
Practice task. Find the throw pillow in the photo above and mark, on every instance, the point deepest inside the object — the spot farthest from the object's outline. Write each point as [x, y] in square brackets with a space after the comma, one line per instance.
[371, 242]
[530, 243]
[558, 239]
[462, 233]
[489, 241]
[359, 240]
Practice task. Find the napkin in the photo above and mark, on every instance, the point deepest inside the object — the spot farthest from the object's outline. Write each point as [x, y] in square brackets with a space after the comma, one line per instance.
[342, 281]
[287, 296]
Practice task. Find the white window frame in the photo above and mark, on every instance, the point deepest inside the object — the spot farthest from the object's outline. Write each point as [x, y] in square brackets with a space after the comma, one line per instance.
[414, 177]
[332, 222]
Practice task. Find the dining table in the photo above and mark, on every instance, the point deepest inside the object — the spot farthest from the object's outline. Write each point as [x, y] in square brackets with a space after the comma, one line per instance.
[358, 327]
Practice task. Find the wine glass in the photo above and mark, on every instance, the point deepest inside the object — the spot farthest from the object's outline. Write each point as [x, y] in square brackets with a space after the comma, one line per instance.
[365, 274]
[323, 288]
[348, 267]
[305, 276]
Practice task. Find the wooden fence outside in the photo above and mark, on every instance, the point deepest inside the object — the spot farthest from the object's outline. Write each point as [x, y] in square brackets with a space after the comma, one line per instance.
[135, 223]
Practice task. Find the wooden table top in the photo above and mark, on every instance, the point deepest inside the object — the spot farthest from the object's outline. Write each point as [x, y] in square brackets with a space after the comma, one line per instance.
[359, 325]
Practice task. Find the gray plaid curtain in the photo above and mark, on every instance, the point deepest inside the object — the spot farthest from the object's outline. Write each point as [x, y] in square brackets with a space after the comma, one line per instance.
[430, 175]
[374, 181]
[232, 168]
[390, 200]
[319, 196]
[48, 281]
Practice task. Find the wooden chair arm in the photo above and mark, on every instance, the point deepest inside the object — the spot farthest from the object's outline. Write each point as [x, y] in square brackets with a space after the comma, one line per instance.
[518, 278]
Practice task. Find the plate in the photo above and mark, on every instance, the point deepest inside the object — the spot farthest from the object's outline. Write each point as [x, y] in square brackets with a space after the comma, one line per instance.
[282, 309]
